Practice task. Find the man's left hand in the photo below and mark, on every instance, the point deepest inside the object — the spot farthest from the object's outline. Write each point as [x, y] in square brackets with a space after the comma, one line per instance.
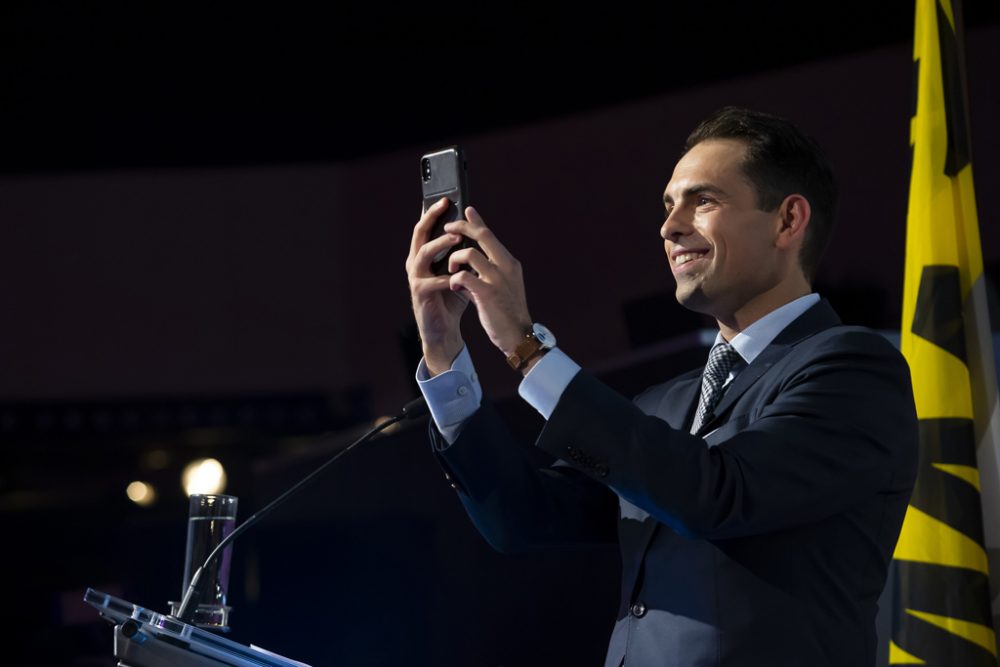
[495, 284]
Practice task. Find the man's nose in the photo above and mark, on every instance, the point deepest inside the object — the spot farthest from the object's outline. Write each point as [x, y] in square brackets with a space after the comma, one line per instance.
[676, 225]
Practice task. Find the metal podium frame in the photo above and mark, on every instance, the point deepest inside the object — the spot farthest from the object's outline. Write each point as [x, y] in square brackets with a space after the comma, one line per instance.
[144, 638]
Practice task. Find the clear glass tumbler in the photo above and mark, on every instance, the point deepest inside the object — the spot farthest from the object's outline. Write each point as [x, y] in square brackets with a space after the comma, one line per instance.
[211, 518]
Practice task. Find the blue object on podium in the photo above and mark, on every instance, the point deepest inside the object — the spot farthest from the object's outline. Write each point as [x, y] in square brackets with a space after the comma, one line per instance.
[144, 638]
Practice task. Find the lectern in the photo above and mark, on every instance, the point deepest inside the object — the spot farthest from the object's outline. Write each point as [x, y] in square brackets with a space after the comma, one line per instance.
[144, 638]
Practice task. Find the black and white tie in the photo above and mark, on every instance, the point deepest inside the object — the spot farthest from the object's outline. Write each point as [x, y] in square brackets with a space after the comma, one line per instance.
[721, 361]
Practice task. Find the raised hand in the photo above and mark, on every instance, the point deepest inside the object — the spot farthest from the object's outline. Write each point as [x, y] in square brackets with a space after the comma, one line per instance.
[495, 283]
[436, 306]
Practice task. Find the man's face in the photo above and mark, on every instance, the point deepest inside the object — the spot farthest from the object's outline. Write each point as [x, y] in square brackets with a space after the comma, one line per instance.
[719, 244]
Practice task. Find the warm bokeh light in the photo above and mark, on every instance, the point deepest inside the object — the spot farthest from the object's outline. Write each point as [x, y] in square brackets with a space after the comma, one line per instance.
[141, 494]
[389, 429]
[203, 476]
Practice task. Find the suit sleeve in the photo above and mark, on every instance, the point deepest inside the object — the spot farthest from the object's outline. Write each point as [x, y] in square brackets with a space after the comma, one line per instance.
[513, 501]
[839, 427]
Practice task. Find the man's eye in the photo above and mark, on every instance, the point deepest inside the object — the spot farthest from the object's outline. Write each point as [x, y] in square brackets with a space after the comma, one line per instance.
[704, 200]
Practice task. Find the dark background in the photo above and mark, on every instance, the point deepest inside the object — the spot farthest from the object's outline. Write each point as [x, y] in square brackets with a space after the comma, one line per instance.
[204, 216]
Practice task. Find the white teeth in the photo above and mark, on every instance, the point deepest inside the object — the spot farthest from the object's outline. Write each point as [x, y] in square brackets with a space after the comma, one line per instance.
[686, 257]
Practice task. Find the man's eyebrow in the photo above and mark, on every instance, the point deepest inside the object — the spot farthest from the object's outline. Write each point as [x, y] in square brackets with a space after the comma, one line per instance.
[696, 189]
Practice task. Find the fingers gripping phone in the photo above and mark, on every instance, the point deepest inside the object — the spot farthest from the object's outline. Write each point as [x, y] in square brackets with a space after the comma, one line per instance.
[443, 174]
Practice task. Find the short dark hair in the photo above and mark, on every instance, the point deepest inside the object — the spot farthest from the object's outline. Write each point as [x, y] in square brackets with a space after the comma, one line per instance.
[780, 161]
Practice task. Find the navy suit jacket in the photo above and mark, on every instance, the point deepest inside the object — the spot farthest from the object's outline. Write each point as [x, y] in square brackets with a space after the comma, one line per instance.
[763, 540]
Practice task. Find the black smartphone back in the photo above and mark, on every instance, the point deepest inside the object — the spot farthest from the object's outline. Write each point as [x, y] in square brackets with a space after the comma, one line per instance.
[443, 173]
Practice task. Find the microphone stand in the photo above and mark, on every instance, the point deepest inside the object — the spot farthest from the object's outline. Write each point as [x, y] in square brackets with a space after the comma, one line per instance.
[413, 410]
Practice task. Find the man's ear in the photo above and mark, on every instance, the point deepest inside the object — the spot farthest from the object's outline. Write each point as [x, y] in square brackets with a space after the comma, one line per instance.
[794, 214]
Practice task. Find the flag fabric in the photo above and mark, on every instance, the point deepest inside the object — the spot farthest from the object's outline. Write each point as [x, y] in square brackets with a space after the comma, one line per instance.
[943, 614]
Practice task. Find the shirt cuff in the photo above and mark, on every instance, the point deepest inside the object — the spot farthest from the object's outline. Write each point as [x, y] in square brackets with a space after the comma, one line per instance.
[545, 383]
[452, 396]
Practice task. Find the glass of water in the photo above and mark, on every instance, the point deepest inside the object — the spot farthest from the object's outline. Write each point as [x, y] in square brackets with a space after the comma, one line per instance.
[211, 518]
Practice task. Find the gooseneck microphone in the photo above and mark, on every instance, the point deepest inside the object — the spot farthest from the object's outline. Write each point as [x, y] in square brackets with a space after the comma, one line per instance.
[415, 409]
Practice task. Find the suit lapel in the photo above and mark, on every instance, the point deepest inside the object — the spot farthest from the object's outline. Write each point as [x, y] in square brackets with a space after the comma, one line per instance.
[744, 381]
[678, 405]
[816, 319]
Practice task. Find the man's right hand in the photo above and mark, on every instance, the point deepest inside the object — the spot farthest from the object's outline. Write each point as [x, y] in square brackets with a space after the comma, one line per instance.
[437, 309]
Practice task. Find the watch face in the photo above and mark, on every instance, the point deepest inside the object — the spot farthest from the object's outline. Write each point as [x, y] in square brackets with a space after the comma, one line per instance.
[543, 335]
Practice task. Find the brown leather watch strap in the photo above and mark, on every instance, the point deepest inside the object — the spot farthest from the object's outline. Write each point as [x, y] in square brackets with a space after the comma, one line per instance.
[529, 348]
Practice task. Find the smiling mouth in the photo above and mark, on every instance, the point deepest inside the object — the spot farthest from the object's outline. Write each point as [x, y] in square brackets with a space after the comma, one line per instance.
[684, 258]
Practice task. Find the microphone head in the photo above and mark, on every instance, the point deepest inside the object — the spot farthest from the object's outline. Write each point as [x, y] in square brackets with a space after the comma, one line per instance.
[416, 409]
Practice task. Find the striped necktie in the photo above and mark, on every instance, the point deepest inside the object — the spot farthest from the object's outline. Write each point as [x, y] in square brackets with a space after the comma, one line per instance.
[721, 361]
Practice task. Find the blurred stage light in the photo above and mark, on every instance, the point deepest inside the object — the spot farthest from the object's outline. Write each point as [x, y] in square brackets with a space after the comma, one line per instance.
[389, 429]
[141, 494]
[203, 476]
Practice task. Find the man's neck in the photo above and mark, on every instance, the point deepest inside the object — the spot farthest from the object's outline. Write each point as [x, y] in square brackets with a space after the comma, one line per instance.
[750, 312]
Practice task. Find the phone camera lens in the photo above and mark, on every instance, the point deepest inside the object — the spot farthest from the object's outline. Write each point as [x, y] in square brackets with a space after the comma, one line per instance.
[426, 169]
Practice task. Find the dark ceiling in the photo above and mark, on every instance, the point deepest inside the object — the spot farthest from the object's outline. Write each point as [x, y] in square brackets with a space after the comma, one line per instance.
[110, 85]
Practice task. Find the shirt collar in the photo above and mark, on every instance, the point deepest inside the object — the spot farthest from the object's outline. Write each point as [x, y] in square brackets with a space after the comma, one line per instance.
[751, 341]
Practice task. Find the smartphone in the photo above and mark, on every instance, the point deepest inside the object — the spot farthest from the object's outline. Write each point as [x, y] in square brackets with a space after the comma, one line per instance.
[443, 173]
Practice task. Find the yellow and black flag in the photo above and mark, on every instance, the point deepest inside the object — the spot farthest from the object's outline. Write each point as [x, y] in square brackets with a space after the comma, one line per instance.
[942, 613]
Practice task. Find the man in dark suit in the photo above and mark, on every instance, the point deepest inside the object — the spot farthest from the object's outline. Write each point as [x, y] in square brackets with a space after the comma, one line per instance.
[756, 501]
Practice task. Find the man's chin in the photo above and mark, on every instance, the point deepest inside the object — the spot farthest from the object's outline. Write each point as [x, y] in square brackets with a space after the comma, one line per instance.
[693, 299]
